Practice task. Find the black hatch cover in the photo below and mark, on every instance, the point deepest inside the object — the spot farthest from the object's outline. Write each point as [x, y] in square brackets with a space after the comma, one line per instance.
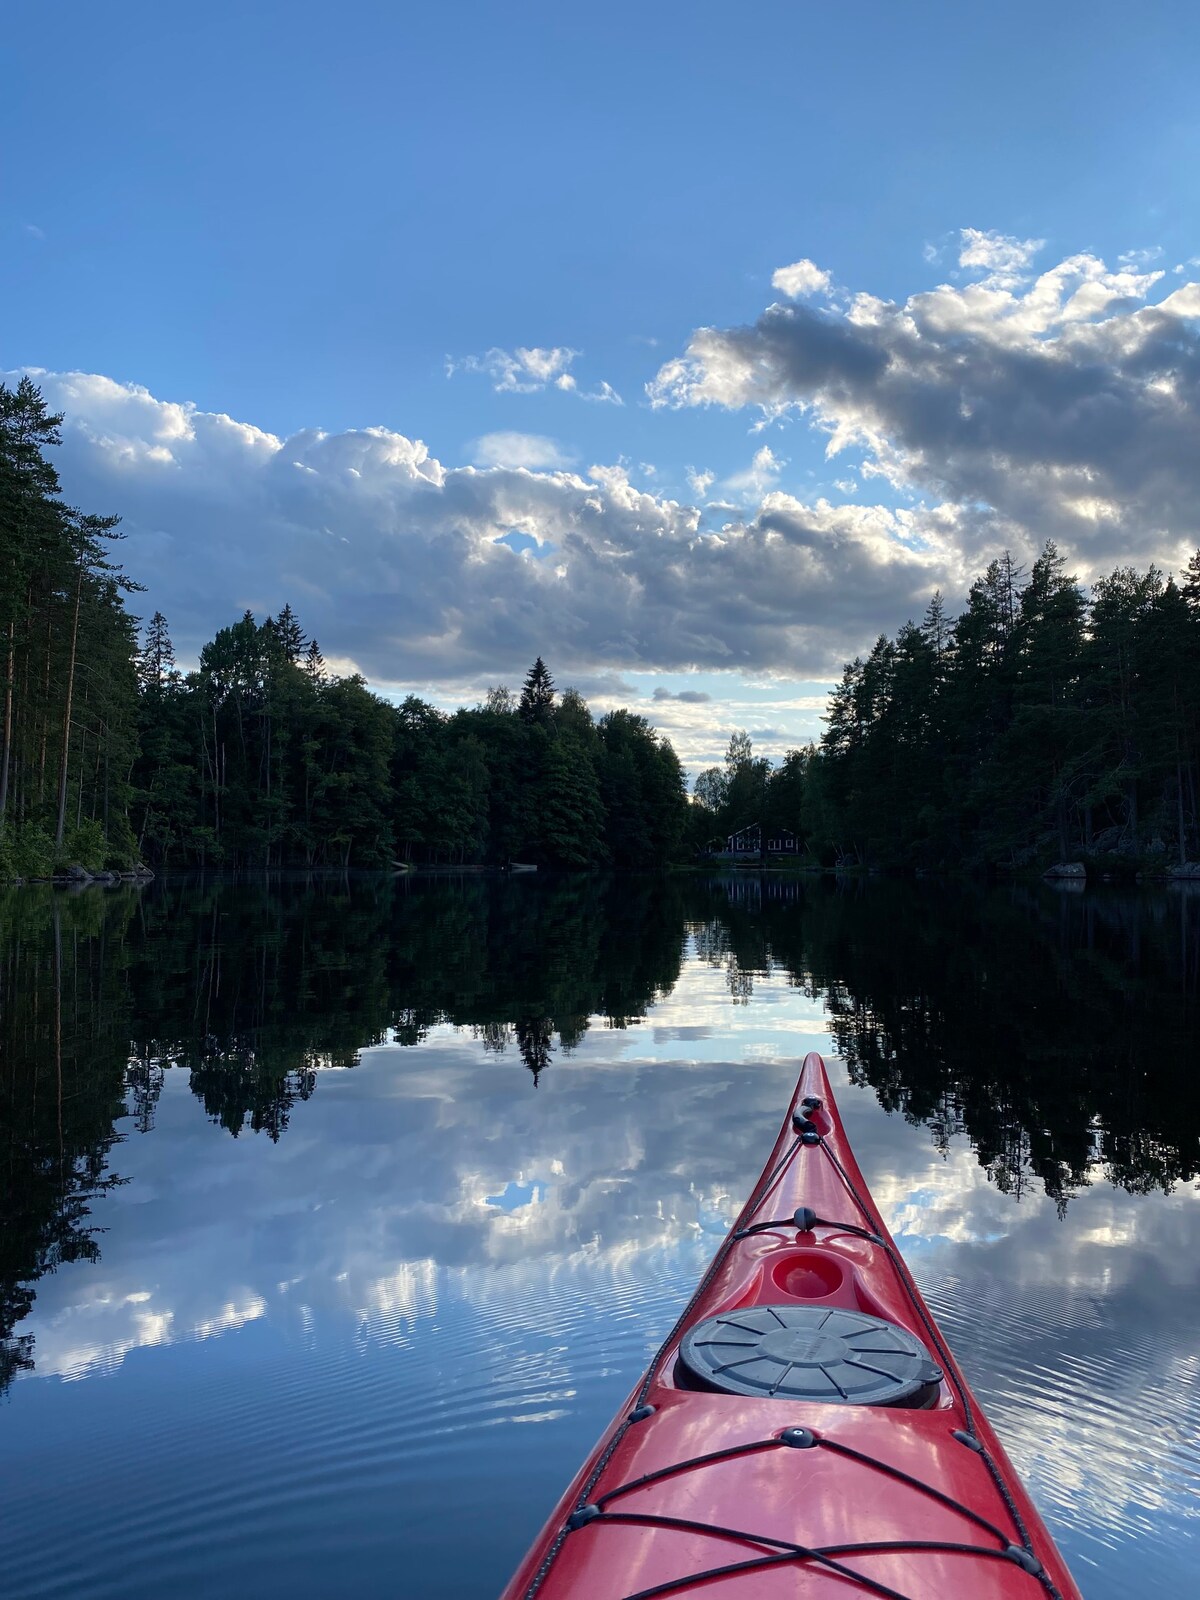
[811, 1353]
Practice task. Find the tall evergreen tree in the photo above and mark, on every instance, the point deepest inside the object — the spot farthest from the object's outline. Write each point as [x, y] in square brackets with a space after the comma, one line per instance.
[935, 625]
[1117, 656]
[537, 696]
[66, 656]
[156, 661]
[314, 662]
[292, 640]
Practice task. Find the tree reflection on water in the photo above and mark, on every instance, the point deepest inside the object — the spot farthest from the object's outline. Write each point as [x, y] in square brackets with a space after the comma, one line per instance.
[1055, 1032]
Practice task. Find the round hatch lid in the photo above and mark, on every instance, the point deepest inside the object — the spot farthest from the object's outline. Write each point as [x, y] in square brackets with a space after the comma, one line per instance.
[794, 1352]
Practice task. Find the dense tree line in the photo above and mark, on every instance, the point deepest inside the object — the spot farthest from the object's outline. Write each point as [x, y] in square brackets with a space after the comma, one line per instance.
[261, 756]
[68, 727]
[1042, 724]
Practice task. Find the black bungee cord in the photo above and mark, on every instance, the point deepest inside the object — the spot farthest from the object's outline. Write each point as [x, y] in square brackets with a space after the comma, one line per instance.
[970, 1438]
[640, 1409]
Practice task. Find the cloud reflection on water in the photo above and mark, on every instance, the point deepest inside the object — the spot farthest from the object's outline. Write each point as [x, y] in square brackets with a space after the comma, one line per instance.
[354, 1293]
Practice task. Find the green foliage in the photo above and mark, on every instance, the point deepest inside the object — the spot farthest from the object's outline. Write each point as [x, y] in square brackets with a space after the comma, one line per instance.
[1033, 728]
[83, 845]
[109, 754]
[571, 815]
[260, 758]
[68, 667]
[745, 792]
[746, 778]
[642, 789]
[26, 852]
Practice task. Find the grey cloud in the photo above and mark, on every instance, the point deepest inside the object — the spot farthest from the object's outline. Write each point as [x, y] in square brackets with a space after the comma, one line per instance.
[687, 697]
[391, 558]
[1059, 405]
[605, 686]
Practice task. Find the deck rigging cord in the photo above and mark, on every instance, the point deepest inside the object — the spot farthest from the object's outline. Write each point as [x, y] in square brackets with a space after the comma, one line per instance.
[973, 1441]
[783, 1552]
[640, 1410]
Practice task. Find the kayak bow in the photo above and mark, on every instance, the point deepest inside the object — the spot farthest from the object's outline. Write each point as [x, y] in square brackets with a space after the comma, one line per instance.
[803, 1429]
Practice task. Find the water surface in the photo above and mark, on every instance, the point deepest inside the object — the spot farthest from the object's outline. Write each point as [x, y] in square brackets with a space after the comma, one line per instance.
[338, 1217]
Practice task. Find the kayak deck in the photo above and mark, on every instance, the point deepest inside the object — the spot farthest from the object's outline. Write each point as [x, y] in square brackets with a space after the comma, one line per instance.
[747, 1467]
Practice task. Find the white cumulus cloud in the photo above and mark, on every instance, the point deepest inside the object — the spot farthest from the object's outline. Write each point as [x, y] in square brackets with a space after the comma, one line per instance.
[997, 253]
[1064, 403]
[405, 567]
[762, 474]
[800, 279]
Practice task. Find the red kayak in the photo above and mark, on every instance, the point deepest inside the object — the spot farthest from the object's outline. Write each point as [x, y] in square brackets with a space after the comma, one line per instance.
[804, 1430]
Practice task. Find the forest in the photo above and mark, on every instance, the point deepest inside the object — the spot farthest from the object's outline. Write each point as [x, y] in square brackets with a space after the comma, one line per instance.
[1043, 723]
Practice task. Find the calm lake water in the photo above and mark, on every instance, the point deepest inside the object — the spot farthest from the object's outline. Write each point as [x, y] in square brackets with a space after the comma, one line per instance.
[337, 1218]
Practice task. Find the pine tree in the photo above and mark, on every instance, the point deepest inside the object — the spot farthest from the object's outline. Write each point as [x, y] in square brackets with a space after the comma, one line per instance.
[260, 757]
[1190, 587]
[935, 626]
[1034, 781]
[1008, 591]
[292, 638]
[156, 660]
[537, 696]
[314, 662]
[31, 518]
[1167, 713]
[1117, 659]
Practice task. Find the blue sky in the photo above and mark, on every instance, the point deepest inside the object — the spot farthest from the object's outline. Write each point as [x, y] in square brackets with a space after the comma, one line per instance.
[316, 220]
